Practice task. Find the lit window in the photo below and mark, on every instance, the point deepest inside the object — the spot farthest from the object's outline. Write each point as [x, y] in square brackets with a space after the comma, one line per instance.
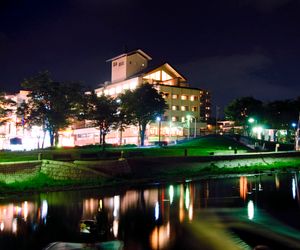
[106, 92]
[174, 118]
[194, 109]
[174, 96]
[194, 98]
[174, 107]
[184, 108]
[183, 119]
[165, 76]
[165, 95]
[184, 97]
[154, 76]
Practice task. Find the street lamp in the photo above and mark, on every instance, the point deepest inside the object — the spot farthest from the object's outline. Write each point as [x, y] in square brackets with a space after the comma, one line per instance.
[159, 125]
[251, 121]
[195, 127]
[297, 146]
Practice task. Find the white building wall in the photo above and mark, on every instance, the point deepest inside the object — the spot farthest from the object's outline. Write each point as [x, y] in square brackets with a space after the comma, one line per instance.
[135, 63]
[118, 69]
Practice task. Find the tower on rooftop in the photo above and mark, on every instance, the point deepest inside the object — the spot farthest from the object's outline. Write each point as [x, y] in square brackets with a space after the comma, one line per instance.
[128, 64]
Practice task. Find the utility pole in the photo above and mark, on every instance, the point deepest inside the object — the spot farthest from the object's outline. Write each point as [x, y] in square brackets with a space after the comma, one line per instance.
[297, 135]
[217, 114]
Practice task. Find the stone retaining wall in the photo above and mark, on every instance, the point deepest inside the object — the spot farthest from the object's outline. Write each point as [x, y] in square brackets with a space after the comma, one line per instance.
[109, 167]
[19, 171]
[68, 171]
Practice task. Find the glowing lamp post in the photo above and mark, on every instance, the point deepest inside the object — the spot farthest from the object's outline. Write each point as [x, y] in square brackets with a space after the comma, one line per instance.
[251, 121]
[158, 119]
[297, 135]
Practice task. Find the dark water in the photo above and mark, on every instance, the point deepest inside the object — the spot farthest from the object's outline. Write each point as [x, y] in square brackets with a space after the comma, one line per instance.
[225, 213]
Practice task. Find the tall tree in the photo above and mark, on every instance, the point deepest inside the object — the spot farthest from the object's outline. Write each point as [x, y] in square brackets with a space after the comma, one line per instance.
[240, 109]
[6, 107]
[102, 112]
[280, 114]
[123, 119]
[143, 105]
[52, 104]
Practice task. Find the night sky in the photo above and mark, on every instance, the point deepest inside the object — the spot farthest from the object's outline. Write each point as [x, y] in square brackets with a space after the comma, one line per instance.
[232, 48]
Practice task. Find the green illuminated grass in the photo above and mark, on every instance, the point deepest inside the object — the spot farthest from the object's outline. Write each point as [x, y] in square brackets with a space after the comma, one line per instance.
[42, 182]
[196, 147]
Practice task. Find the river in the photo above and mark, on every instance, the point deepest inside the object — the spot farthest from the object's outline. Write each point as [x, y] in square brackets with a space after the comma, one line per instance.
[239, 212]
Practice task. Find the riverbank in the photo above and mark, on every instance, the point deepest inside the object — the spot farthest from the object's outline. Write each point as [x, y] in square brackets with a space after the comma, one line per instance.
[54, 175]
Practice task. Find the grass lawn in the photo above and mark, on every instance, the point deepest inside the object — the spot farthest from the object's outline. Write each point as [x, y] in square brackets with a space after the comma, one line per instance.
[195, 147]
[42, 182]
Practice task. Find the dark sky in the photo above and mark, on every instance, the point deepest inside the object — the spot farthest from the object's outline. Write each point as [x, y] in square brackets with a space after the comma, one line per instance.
[233, 48]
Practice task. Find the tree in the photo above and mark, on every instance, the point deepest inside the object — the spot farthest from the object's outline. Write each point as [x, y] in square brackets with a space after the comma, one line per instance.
[102, 112]
[240, 109]
[143, 105]
[123, 120]
[280, 114]
[51, 104]
[6, 107]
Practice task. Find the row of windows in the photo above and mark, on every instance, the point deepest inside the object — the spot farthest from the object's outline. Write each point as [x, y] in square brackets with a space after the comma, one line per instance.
[118, 89]
[184, 108]
[182, 97]
[116, 63]
[176, 118]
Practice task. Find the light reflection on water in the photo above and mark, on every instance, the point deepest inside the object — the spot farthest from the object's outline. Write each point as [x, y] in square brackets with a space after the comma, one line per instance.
[149, 218]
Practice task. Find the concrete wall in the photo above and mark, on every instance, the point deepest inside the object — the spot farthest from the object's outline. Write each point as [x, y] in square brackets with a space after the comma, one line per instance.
[19, 171]
[68, 171]
[58, 170]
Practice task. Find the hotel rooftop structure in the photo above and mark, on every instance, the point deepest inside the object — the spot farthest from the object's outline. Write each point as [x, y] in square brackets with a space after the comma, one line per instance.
[188, 107]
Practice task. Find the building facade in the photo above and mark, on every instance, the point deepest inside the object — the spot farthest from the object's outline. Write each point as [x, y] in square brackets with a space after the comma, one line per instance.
[183, 117]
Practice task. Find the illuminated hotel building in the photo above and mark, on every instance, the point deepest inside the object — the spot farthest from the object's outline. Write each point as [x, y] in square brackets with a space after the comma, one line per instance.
[186, 116]
[188, 107]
